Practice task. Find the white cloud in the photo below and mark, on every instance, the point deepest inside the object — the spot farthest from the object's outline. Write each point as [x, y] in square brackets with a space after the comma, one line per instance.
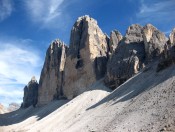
[6, 8]
[18, 63]
[156, 10]
[48, 13]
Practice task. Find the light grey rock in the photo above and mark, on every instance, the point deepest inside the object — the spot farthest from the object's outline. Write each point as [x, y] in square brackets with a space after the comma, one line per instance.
[154, 41]
[127, 59]
[87, 56]
[172, 37]
[52, 75]
[168, 55]
[115, 38]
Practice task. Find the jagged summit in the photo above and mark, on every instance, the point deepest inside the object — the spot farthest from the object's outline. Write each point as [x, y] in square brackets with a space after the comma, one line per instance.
[86, 58]
[115, 38]
[51, 79]
[87, 17]
[154, 41]
[134, 34]
[33, 79]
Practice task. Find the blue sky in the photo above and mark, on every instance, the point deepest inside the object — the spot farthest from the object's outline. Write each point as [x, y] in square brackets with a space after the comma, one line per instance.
[28, 26]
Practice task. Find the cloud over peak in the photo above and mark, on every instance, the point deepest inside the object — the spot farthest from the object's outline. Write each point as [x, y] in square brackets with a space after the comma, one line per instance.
[45, 12]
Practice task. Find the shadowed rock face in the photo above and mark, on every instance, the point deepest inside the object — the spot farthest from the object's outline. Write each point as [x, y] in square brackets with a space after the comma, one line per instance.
[154, 41]
[30, 93]
[127, 59]
[168, 55]
[52, 75]
[140, 45]
[87, 56]
[115, 38]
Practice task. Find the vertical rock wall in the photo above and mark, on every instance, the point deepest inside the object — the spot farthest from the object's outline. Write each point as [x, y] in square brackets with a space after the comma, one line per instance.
[52, 75]
[87, 56]
[139, 46]
[154, 41]
[127, 59]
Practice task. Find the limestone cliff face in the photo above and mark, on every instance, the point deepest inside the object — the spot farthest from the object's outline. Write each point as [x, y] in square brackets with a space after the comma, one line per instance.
[172, 37]
[154, 41]
[127, 59]
[52, 75]
[168, 55]
[139, 46]
[115, 38]
[30, 93]
[87, 56]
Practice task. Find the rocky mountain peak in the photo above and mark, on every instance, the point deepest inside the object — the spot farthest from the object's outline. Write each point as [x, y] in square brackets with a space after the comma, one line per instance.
[134, 34]
[87, 18]
[148, 31]
[128, 57]
[86, 58]
[52, 75]
[30, 93]
[115, 38]
[154, 41]
[33, 79]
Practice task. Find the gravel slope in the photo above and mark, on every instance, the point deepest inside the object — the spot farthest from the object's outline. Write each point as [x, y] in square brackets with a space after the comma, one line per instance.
[145, 102]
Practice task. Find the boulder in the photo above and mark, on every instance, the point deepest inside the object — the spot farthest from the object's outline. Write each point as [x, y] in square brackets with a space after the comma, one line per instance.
[115, 38]
[154, 41]
[52, 75]
[127, 59]
[30, 94]
[87, 56]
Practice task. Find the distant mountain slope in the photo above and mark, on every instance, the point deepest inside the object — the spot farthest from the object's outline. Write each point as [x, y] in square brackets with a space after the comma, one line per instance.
[2, 109]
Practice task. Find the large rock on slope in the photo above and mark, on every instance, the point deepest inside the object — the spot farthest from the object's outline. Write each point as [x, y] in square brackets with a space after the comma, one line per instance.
[127, 59]
[52, 75]
[30, 93]
[154, 41]
[172, 37]
[87, 56]
[115, 38]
